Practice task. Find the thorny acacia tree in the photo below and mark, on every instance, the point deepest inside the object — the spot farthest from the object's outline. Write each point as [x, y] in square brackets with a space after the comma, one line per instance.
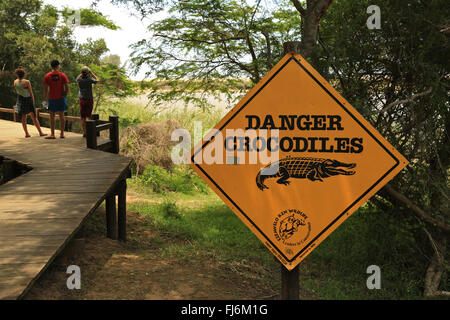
[209, 45]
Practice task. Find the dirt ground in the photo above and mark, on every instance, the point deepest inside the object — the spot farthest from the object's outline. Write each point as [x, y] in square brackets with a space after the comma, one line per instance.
[137, 270]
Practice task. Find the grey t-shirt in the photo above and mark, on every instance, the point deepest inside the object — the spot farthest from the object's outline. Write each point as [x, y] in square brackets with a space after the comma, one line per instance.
[85, 87]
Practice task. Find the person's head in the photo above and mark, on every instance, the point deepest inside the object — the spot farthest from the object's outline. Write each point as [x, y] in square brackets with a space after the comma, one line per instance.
[85, 71]
[20, 73]
[55, 64]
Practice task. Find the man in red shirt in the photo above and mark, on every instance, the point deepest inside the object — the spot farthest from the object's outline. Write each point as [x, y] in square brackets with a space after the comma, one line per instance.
[56, 89]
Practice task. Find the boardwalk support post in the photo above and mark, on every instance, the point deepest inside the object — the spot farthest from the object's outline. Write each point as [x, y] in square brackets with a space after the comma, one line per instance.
[91, 134]
[111, 221]
[122, 210]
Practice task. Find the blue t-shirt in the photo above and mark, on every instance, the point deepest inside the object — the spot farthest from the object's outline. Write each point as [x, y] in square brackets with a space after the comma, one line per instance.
[85, 87]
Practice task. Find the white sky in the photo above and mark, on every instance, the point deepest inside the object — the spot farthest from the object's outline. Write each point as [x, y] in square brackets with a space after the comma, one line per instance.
[118, 41]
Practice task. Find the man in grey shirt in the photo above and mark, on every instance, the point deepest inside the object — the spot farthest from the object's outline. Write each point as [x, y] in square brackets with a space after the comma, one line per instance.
[85, 81]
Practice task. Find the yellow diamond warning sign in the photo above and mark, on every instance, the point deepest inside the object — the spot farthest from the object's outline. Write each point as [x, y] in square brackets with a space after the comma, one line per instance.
[293, 159]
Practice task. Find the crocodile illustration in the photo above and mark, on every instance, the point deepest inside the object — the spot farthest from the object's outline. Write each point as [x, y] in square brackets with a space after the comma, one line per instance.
[301, 168]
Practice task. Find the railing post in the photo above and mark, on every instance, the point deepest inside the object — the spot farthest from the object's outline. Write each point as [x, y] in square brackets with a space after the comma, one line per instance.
[91, 134]
[96, 117]
[111, 221]
[114, 133]
[122, 210]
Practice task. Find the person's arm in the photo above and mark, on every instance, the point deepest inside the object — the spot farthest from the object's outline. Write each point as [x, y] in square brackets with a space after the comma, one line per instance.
[46, 87]
[94, 76]
[66, 85]
[66, 89]
[30, 90]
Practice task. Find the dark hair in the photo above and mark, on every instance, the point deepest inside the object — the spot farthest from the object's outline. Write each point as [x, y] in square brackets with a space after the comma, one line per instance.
[54, 63]
[20, 73]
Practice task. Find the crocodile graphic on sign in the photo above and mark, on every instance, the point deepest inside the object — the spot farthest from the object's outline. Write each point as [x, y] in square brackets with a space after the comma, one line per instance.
[301, 168]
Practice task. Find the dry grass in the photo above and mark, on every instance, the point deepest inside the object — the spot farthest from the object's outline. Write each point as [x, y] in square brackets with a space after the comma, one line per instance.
[149, 144]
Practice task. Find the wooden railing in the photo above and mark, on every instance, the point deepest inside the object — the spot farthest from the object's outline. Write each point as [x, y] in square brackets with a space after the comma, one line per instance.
[93, 129]
[8, 110]
[41, 114]
[45, 115]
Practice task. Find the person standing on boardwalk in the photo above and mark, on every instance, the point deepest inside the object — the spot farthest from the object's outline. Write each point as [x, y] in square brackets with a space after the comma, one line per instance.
[25, 102]
[85, 80]
[56, 89]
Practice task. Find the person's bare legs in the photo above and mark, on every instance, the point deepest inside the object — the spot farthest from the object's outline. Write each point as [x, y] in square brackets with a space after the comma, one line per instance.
[83, 123]
[62, 123]
[24, 125]
[52, 126]
[37, 124]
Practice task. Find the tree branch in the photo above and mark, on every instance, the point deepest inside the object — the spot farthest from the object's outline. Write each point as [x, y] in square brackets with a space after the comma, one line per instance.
[299, 7]
[410, 99]
[415, 209]
[200, 40]
[254, 58]
[269, 50]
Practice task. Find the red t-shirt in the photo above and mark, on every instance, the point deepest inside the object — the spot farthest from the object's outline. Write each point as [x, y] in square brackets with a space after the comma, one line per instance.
[55, 80]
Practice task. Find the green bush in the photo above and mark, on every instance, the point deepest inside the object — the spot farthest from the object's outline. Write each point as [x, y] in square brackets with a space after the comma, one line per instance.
[180, 179]
[368, 237]
[169, 209]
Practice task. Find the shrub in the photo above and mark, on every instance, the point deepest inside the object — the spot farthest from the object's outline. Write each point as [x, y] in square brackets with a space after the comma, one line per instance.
[169, 209]
[149, 144]
[180, 179]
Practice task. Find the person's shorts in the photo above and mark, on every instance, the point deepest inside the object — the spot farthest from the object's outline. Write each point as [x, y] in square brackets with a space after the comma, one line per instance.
[24, 105]
[58, 105]
[86, 106]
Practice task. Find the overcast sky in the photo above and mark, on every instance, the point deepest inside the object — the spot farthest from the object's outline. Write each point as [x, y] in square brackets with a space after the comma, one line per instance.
[132, 28]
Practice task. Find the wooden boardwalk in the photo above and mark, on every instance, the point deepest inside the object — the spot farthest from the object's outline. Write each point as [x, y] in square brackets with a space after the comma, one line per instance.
[42, 209]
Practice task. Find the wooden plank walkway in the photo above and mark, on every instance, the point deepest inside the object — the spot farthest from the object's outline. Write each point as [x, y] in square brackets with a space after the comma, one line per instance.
[42, 209]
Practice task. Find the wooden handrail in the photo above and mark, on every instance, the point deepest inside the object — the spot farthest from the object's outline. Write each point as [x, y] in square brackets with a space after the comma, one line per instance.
[7, 110]
[68, 118]
[10, 110]
[40, 114]
[93, 128]
[104, 126]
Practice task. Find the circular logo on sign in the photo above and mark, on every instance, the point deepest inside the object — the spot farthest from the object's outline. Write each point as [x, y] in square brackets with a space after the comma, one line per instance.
[291, 227]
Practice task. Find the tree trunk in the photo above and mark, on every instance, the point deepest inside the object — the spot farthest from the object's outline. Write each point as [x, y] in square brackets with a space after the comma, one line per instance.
[435, 269]
[311, 16]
